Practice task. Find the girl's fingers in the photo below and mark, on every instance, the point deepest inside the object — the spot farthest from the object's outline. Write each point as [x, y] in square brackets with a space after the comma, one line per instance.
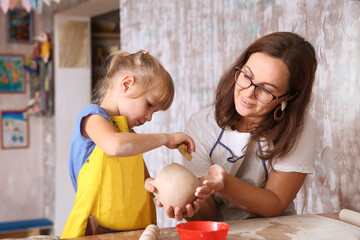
[158, 203]
[178, 214]
[148, 185]
[189, 210]
[149, 188]
[170, 211]
[191, 145]
[196, 206]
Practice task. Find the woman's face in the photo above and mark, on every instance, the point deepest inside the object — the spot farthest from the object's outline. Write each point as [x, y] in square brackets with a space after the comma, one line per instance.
[270, 73]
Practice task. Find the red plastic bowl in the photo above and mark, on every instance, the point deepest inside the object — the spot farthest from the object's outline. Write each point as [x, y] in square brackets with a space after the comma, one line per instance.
[202, 230]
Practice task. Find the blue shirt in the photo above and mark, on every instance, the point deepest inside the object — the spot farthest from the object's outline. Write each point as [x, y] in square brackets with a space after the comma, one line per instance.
[81, 147]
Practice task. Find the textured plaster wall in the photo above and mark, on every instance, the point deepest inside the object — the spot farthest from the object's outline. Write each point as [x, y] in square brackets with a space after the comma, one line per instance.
[197, 40]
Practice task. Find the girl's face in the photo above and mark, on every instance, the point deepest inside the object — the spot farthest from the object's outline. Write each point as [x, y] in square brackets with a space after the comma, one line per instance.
[270, 73]
[125, 98]
[139, 110]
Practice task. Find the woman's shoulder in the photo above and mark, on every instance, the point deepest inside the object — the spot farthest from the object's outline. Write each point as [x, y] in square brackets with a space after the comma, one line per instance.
[301, 156]
[204, 118]
[308, 128]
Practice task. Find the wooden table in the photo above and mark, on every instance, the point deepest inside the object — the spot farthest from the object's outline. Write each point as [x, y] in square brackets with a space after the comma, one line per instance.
[308, 226]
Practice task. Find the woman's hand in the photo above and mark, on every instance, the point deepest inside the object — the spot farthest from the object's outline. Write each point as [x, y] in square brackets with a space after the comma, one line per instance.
[213, 181]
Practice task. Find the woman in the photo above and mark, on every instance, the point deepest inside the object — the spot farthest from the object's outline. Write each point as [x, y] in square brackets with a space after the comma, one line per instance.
[255, 146]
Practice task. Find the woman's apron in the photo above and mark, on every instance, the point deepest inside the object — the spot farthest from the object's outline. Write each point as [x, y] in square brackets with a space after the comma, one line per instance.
[112, 190]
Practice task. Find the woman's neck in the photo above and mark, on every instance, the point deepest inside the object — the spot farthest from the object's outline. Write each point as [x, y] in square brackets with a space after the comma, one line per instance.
[245, 124]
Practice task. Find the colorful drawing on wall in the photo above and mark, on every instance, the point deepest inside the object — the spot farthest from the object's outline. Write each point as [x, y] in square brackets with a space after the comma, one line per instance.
[14, 130]
[12, 73]
[19, 26]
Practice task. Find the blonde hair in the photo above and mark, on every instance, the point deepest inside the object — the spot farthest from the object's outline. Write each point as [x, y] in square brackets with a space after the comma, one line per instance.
[149, 74]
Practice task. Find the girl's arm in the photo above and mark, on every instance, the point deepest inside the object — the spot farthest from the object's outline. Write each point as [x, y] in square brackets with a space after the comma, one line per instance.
[121, 144]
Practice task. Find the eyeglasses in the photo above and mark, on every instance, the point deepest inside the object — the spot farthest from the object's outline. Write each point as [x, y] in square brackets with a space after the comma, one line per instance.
[262, 94]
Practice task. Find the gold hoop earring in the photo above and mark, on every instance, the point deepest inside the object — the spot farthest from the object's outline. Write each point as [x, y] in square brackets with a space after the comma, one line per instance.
[276, 114]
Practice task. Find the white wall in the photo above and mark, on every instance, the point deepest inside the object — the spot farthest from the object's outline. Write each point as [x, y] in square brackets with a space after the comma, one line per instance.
[72, 88]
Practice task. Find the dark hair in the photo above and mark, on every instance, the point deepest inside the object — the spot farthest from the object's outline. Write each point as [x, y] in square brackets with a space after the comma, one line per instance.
[149, 73]
[299, 57]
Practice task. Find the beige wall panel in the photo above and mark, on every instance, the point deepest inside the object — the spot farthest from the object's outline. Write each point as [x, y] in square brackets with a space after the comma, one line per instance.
[73, 44]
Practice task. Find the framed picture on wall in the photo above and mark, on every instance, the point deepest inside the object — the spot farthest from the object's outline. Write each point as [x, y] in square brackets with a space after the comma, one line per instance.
[14, 130]
[20, 26]
[12, 73]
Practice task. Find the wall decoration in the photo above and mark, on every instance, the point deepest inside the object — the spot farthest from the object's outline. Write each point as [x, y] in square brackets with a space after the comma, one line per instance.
[12, 77]
[28, 5]
[20, 26]
[41, 77]
[14, 130]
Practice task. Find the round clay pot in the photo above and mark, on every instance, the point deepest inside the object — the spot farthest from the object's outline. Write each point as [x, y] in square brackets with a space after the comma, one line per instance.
[175, 186]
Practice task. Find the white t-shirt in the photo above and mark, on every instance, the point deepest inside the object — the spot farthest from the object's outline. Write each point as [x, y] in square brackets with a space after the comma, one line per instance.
[227, 148]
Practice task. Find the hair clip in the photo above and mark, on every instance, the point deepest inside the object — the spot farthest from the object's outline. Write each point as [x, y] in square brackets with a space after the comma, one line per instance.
[145, 51]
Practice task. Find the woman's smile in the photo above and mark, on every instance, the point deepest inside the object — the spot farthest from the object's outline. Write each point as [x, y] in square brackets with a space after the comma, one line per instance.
[246, 103]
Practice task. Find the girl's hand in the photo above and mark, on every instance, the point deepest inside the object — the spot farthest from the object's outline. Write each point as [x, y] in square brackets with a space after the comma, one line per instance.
[175, 139]
[190, 209]
[178, 214]
[213, 181]
[148, 185]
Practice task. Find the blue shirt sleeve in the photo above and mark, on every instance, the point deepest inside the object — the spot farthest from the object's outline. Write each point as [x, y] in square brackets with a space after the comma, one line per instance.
[81, 147]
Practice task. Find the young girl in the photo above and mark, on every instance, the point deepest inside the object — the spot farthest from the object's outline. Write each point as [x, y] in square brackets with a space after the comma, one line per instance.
[106, 163]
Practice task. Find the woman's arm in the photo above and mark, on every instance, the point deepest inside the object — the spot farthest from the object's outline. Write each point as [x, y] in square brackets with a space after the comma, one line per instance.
[281, 188]
[122, 144]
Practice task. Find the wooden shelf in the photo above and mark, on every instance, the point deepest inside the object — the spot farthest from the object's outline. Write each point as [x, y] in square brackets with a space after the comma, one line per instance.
[105, 35]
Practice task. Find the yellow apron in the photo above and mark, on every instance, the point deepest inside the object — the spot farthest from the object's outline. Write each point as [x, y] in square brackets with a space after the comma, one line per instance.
[112, 190]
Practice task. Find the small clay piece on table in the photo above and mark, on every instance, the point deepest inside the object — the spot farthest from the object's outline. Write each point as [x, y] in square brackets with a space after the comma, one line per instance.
[151, 232]
[183, 150]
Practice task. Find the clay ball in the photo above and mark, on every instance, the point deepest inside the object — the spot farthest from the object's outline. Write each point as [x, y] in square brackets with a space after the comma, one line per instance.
[175, 186]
